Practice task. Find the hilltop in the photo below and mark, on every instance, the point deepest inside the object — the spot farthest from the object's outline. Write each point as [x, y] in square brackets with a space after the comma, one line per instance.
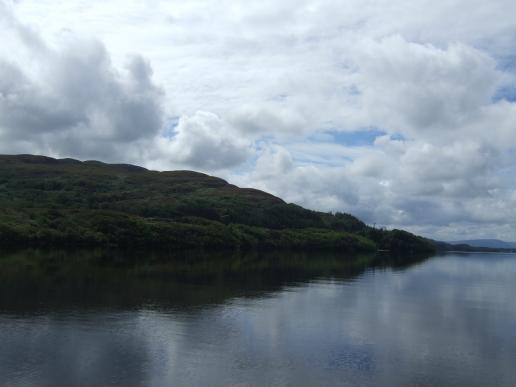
[66, 202]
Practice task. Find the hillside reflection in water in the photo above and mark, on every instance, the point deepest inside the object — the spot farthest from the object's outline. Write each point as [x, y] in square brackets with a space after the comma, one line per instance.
[104, 318]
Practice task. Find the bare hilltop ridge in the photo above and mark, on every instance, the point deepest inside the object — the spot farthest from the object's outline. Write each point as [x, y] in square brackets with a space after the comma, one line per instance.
[66, 202]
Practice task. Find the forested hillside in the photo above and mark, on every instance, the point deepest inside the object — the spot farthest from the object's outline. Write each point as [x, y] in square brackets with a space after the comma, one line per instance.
[46, 201]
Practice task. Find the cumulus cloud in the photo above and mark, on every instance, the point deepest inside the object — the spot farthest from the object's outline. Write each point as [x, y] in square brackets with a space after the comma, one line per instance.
[70, 100]
[421, 88]
[262, 94]
[205, 141]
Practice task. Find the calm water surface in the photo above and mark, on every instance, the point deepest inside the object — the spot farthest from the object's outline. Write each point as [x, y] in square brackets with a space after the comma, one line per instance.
[91, 319]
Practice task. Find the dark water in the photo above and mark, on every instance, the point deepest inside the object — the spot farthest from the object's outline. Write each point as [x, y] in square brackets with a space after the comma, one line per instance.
[101, 319]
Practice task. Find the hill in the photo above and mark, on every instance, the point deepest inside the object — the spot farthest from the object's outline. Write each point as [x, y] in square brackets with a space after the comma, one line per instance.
[487, 243]
[47, 202]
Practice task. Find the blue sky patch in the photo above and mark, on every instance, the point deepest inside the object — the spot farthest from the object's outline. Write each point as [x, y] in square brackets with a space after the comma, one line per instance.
[169, 131]
[356, 138]
[507, 93]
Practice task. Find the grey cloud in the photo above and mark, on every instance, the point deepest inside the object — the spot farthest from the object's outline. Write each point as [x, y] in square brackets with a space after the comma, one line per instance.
[273, 76]
[72, 94]
[25, 107]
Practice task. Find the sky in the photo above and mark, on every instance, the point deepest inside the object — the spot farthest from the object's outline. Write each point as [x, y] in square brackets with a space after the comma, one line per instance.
[400, 112]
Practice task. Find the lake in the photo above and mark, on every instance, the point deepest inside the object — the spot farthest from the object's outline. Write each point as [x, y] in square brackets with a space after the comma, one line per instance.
[97, 318]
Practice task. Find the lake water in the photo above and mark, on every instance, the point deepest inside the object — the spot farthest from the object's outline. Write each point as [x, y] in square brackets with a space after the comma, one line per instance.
[103, 319]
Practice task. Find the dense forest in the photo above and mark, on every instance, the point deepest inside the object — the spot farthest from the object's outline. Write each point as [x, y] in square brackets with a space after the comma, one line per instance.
[65, 202]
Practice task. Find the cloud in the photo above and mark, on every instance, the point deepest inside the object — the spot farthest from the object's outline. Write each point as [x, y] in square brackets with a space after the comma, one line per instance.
[70, 100]
[412, 87]
[262, 94]
[395, 183]
[206, 142]
[318, 187]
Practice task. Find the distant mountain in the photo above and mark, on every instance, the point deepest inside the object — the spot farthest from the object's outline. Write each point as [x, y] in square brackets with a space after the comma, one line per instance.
[53, 202]
[488, 243]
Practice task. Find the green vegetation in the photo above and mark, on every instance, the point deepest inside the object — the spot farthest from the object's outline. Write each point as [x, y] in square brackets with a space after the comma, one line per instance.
[49, 202]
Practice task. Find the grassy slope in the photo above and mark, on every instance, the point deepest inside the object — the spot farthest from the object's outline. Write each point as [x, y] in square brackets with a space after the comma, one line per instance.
[44, 201]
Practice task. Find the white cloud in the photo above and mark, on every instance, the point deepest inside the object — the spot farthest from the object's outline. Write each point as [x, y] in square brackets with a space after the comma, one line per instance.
[267, 82]
[206, 142]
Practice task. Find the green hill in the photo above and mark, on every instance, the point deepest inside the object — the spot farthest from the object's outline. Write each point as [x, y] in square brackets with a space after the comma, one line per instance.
[50, 202]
